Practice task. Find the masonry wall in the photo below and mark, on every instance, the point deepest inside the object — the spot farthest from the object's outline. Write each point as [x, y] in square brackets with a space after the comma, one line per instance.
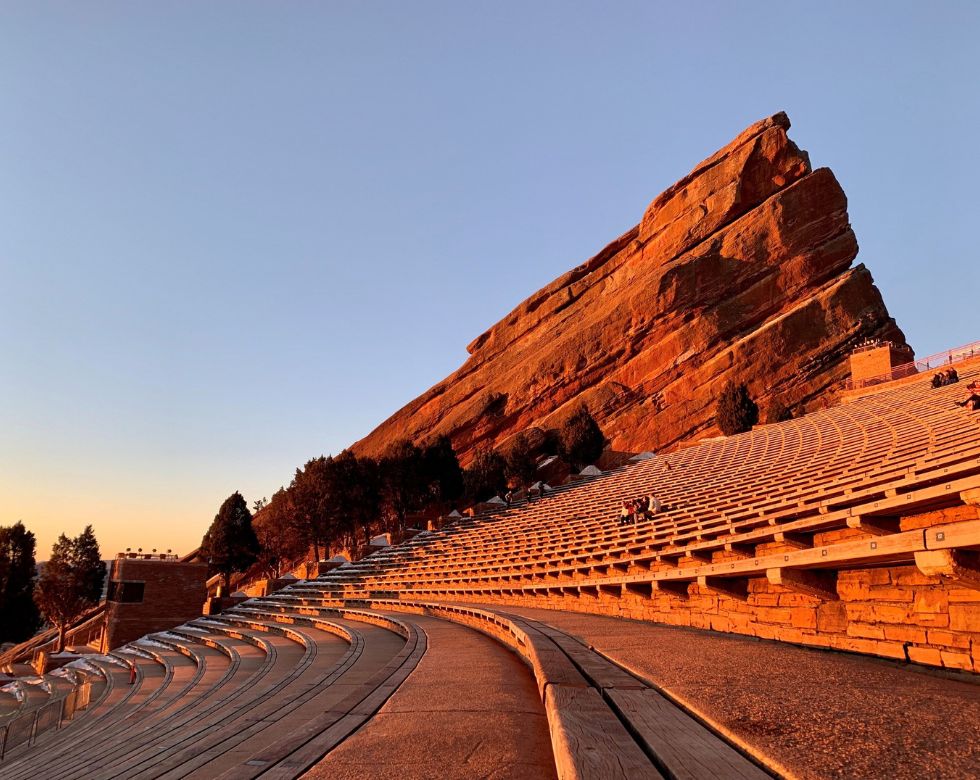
[877, 362]
[174, 593]
[895, 612]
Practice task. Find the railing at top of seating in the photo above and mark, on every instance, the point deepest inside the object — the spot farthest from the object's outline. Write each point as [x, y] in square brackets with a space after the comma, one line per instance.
[153, 556]
[24, 729]
[938, 360]
[48, 638]
[84, 634]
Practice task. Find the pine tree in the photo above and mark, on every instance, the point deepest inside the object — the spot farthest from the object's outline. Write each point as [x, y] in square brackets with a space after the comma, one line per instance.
[441, 471]
[522, 466]
[486, 476]
[19, 615]
[310, 504]
[230, 544]
[402, 474]
[581, 438]
[736, 412]
[778, 412]
[280, 541]
[71, 581]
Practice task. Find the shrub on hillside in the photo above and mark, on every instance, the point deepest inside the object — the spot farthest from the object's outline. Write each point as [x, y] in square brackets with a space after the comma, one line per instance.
[487, 475]
[522, 465]
[581, 438]
[736, 412]
[778, 412]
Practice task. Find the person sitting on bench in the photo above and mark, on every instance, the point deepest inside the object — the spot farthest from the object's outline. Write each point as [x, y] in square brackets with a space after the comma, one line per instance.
[626, 513]
[973, 396]
[653, 505]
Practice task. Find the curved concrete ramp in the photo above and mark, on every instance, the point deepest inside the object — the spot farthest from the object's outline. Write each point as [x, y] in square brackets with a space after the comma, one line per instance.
[470, 709]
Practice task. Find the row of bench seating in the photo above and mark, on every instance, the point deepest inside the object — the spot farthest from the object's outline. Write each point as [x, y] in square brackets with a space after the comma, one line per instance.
[757, 504]
[248, 693]
[270, 687]
[604, 721]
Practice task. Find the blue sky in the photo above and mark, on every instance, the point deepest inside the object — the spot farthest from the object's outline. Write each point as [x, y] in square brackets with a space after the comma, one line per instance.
[236, 235]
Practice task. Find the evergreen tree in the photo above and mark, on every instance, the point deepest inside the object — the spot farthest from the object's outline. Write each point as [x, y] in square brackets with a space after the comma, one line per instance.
[486, 476]
[230, 544]
[71, 581]
[280, 542]
[310, 506]
[736, 412]
[19, 615]
[778, 412]
[522, 465]
[402, 475]
[442, 473]
[581, 438]
[356, 484]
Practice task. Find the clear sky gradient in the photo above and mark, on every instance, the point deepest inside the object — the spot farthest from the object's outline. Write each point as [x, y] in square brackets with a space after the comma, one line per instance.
[237, 235]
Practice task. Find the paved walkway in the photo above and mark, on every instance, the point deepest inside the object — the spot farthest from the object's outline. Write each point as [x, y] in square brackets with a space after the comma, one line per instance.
[818, 714]
[470, 710]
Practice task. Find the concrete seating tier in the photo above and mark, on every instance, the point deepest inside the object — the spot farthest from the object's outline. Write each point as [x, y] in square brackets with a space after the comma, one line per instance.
[821, 492]
[248, 692]
[37, 706]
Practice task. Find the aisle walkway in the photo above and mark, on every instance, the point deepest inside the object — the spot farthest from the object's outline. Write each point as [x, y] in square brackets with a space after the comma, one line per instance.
[470, 709]
[818, 714]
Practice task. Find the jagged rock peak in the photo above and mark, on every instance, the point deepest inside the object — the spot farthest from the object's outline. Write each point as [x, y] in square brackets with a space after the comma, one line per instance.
[741, 270]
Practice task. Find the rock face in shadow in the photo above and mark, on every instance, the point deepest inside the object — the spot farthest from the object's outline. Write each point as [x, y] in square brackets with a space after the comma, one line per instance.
[741, 270]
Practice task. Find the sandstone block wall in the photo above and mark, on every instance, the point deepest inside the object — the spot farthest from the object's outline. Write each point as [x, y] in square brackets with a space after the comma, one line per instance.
[894, 612]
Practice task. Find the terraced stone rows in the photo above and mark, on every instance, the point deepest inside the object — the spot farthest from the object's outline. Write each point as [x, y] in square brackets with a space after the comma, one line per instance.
[905, 444]
[76, 744]
[213, 693]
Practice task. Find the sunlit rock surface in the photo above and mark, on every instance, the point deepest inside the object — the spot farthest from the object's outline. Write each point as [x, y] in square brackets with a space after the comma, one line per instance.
[741, 270]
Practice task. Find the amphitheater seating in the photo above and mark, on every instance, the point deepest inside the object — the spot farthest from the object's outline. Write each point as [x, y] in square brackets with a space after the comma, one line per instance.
[226, 693]
[737, 507]
[271, 686]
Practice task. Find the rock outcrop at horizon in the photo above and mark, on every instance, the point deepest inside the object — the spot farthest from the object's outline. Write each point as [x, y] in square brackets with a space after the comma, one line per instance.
[741, 270]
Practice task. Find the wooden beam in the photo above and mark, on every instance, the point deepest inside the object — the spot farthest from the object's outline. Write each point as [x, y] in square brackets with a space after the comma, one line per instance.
[822, 584]
[942, 537]
[971, 496]
[962, 567]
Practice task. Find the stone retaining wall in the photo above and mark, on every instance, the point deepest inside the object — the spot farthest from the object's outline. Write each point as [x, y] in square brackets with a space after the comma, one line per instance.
[895, 612]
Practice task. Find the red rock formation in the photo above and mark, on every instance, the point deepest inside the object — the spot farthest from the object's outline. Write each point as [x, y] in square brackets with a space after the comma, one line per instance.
[741, 270]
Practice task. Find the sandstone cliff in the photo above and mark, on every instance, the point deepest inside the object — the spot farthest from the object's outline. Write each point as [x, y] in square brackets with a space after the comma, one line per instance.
[741, 270]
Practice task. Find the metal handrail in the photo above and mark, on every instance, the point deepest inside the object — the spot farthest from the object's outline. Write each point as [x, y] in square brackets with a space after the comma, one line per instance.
[50, 716]
[947, 358]
[49, 637]
[93, 623]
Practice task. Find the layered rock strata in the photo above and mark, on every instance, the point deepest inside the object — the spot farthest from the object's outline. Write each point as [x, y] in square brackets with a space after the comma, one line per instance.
[741, 270]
